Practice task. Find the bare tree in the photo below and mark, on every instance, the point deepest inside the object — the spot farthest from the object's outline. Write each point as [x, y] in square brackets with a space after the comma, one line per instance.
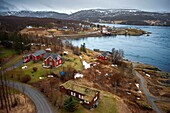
[117, 55]
[4, 97]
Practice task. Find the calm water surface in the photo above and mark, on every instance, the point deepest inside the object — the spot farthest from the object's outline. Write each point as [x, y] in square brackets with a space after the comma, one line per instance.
[153, 49]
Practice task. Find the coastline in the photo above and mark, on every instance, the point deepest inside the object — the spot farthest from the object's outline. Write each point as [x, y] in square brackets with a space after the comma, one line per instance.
[77, 36]
[125, 32]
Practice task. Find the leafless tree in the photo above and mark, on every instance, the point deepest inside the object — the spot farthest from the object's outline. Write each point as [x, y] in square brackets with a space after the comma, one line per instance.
[117, 55]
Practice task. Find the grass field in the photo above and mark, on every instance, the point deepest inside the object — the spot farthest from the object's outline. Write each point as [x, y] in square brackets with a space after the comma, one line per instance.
[6, 52]
[12, 61]
[107, 104]
[70, 60]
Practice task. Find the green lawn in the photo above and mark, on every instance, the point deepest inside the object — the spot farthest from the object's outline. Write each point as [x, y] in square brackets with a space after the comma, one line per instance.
[73, 61]
[6, 52]
[107, 104]
[12, 61]
[19, 73]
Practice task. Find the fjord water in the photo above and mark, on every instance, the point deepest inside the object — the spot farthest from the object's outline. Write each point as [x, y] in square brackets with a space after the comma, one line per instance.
[153, 49]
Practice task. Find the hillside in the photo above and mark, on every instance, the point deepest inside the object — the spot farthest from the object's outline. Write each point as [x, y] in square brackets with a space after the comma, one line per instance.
[39, 14]
[14, 23]
[124, 16]
[121, 16]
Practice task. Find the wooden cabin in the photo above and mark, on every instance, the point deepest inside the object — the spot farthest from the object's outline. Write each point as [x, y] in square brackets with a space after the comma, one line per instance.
[88, 96]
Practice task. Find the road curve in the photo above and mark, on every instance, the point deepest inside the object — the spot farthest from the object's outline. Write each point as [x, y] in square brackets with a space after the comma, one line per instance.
[150, 98]
[42, 105]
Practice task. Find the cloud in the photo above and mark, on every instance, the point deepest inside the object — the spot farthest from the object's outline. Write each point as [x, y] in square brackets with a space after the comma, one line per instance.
[74, 5]
[5, 6]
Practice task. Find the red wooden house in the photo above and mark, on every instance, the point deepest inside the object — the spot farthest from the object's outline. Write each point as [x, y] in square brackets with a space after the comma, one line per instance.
[26, 58]
[104, 56]
[88, 96]
[38, 55]
[52, 60]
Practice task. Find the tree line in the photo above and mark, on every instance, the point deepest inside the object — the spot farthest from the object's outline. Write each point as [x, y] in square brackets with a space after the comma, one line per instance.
[15, 41]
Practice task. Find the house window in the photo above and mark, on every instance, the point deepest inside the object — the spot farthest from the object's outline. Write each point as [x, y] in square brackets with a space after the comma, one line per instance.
[81, 97]
[50, 59]
[95, 98]
[72, 93]
[60, 61]
[50, 63]
[86, 102]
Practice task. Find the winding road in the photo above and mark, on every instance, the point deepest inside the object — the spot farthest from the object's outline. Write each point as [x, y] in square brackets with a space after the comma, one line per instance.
[42, 105]
[151, 99]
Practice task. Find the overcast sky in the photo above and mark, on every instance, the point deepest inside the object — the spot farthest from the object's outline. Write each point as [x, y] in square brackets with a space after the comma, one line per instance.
[69, 6]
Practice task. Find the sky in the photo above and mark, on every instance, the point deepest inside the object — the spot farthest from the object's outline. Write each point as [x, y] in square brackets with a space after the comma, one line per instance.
[70, 6]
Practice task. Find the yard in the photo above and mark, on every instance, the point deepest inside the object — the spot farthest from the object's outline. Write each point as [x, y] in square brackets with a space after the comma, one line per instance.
[69, 60]
[107, 104]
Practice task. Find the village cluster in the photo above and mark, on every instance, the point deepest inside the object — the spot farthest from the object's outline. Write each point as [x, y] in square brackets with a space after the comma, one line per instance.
[88, 96]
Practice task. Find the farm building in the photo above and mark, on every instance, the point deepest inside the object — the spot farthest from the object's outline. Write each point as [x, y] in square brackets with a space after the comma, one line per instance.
[26, 58]
[52, 60]
[38, 55]
[104, 56]
[88, 96]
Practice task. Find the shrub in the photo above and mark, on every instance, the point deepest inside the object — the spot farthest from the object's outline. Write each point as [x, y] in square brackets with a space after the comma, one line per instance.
[144, 105]
[71, 104]
[25, 79]
[34, 69]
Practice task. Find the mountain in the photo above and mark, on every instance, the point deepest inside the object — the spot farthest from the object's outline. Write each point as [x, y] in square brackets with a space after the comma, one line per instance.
[39, 14]
[121, 16]
[118, 14]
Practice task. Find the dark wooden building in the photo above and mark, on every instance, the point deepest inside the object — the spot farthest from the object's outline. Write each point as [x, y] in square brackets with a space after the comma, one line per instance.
[88, 96]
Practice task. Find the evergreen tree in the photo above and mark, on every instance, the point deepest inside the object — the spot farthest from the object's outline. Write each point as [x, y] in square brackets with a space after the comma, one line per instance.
[71, 104]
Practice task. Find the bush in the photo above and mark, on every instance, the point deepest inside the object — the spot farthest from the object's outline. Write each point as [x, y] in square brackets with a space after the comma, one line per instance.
[144, 105]
[34, 69]
[71, 104]
[25, 79]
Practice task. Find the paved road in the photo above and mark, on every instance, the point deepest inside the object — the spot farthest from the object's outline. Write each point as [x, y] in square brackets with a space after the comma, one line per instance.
[150, 98]
[20, 62]
[42, 105]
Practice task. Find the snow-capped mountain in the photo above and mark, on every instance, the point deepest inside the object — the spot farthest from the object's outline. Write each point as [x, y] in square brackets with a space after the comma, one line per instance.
[39, 14]
[133, 16]
[118, 14]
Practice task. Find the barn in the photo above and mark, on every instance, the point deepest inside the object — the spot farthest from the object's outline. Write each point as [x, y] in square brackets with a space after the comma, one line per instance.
[38, 55]
[52, 60]
[88, 96]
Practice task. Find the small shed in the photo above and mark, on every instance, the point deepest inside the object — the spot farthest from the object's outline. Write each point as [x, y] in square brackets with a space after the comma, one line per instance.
[26, 58]
[104, 56]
